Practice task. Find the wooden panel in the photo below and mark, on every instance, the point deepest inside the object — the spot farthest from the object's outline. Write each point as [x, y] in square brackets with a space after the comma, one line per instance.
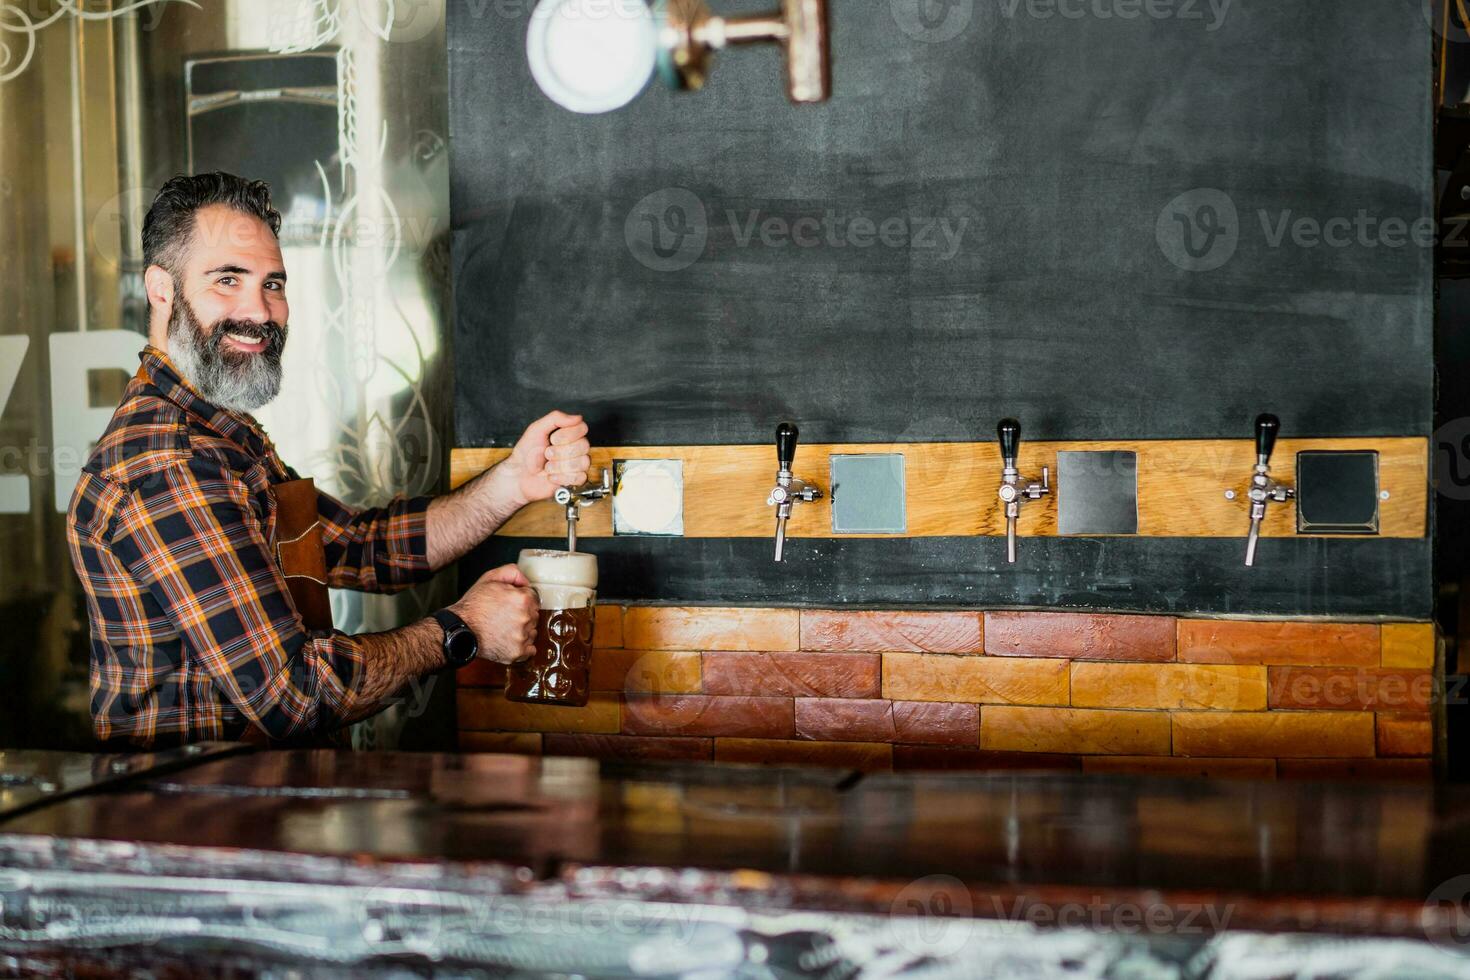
[951, 487]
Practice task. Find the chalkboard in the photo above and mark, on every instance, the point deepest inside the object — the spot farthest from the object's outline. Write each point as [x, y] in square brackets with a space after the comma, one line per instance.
[1110, 219]
[1338, 577]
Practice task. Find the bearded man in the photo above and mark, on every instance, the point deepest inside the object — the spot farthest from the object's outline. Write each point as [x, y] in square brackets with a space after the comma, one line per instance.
[173, 524]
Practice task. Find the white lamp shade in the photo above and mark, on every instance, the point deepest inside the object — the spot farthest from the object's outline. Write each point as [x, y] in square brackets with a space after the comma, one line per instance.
[592, 55]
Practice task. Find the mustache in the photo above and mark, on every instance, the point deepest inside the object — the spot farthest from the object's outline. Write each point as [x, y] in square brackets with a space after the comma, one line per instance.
[273, 333]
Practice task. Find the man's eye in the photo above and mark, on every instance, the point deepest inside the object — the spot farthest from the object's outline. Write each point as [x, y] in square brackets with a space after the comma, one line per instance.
[227, 281]
[278, 287]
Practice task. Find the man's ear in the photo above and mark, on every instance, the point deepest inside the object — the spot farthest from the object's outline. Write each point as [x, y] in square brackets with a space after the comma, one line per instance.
[159, 286]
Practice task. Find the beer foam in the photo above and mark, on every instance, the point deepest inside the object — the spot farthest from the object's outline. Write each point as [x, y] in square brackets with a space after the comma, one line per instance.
[568, 568]
[563, 596]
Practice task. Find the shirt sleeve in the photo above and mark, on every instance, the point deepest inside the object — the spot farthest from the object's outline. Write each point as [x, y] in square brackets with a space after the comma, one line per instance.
[192, 537]
[379, 549]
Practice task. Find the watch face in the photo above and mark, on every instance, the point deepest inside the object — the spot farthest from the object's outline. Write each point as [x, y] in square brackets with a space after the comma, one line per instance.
[462, 645]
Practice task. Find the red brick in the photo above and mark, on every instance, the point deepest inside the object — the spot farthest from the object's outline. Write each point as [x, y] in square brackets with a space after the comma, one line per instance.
[844, 720]
[1344, 688]
[977, 680]
[1273, 734]
[607, 627]
[934, 757]
[1357, 770]
[1084, 731]
[816, 675]
[884, 631]
[645, 671]
[1230, 641]
[1079, 636]
[867, 756]
[633, 747]
[481, 673]
[710, 628]
[700, 714]
[936, 723]
[1405, 735]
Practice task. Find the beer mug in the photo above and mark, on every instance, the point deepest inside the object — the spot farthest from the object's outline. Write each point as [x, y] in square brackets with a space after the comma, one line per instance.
[559, 671]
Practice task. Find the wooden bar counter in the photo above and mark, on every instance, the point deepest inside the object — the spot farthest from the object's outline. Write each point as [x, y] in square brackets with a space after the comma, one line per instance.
[348, 858]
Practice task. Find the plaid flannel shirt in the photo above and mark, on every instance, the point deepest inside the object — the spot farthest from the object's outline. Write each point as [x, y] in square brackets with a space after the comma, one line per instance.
[193, 633]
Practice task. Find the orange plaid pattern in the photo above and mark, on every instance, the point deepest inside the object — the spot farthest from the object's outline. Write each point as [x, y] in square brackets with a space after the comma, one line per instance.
[172, 531]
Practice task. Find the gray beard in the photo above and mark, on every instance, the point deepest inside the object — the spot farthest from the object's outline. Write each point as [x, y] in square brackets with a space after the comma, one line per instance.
[237, 382]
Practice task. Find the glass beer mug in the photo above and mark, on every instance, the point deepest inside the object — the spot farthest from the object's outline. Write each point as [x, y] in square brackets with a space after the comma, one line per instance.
[559, 671]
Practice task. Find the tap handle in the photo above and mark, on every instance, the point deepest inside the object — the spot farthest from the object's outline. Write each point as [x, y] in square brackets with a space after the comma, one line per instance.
[1268, 427]
[1009, 433]
[786, 434]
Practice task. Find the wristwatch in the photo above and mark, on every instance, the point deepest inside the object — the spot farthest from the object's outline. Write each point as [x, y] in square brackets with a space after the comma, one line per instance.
[460, 645]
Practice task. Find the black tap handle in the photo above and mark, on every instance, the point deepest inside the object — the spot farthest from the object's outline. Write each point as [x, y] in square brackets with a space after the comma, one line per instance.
[786, 434]
[1268, 427]
[1009, 433]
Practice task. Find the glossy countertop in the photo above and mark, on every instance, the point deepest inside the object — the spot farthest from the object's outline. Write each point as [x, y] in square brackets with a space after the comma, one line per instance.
[1289, 855]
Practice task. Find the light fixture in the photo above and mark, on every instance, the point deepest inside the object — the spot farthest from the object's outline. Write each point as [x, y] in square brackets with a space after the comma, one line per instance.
[597, 55]
[592, 55]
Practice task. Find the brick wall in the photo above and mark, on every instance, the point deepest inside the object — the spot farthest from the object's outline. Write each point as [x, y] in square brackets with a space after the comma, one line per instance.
[969, 690]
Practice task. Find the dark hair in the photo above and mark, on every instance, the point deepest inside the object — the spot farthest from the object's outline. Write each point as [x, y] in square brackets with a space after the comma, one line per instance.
[170, 221]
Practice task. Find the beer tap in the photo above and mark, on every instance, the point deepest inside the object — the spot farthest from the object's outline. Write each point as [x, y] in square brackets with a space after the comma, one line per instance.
[788, 490]
[1014, 489]
[574, 498]
[1263, 489]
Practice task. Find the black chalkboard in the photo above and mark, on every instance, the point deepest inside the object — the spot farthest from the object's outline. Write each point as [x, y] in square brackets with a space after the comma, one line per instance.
[1339, 577]
[985, 224]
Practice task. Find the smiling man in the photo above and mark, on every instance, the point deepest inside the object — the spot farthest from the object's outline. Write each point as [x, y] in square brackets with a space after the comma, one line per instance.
[173, 525]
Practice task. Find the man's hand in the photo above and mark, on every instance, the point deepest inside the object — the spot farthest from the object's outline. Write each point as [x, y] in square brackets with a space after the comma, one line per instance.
[553, 452]
[501, 609]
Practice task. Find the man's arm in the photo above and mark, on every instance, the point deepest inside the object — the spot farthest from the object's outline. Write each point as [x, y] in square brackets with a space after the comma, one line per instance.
[392, 660]
[500, 610]
[193, 540]
[552, 453]
[191, 536]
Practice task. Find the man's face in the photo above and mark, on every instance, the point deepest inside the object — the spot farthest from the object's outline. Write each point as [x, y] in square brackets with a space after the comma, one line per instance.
[230, 318]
